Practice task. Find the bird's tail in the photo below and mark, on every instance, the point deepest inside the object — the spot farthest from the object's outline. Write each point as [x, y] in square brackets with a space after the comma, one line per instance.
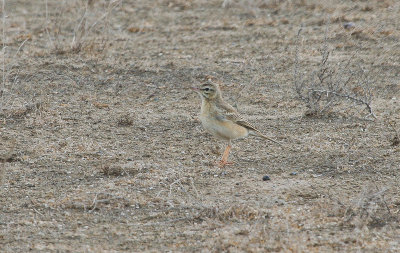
[258, 133]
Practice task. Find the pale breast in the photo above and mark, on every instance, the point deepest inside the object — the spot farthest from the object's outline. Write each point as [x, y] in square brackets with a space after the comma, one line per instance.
[223, 129]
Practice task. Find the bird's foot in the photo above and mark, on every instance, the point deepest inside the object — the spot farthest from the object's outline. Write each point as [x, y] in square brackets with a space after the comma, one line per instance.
[223, 163]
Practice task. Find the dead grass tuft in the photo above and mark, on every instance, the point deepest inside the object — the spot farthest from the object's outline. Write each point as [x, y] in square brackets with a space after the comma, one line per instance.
[395, 140]
[22, 111]
[232, 213]
[94, 202]
[371, 209]
[125, 120]
[240, 212]
[368, 209]
[117, 170]
[7, 150]
[89, 31]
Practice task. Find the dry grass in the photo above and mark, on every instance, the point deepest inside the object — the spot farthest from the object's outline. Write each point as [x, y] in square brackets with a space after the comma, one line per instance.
[101, 149]
[332, 84]
[2, 173]
[395, 138]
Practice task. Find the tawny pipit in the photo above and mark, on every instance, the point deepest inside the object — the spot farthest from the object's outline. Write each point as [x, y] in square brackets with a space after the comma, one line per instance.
[221, 119]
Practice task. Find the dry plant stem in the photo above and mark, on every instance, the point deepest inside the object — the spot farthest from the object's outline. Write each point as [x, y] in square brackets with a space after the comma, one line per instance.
[80, 30]
[194, 187]
[383, 199]
[4, 52]
[83, 30]
[47, 23]
[94, 203]
[105, 15]
[355, 99]
[328, 86]
[178, 181]
[20, 47]
[296, 62]
[393, 126]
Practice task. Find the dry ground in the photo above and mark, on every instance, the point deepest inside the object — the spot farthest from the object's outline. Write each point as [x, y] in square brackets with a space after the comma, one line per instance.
[101, 149]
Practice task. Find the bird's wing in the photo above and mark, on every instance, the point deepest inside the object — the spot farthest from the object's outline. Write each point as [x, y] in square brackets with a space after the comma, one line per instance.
[236, 118]
[227, 112]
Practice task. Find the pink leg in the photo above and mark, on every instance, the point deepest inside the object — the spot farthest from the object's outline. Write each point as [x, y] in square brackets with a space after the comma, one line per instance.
[224, 160]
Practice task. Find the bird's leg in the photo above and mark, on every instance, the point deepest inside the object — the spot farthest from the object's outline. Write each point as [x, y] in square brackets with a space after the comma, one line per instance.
[226, 153]
[224, 160]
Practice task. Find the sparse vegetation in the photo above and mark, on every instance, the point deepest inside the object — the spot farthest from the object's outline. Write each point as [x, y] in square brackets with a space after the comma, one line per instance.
[125, 120]
[79, 25]
[332, 84]
[101, 148]
[367, 209]
[395, 139]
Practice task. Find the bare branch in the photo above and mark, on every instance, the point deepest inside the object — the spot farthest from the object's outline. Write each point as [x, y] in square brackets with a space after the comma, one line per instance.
[330, 85]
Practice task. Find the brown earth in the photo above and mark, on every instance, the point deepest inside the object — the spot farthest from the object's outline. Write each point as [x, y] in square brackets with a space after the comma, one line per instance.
[101, 148]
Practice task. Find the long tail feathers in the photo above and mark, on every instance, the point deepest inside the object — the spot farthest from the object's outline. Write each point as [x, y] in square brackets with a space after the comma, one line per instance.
[267, 138]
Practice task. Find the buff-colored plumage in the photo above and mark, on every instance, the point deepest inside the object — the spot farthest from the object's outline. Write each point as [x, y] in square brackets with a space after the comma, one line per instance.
[221, 119]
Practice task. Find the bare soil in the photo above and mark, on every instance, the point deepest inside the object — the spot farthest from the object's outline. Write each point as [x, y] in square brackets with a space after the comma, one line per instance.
[101, 148]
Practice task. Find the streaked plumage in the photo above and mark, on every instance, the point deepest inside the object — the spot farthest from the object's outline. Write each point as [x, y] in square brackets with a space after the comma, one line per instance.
[221, 119]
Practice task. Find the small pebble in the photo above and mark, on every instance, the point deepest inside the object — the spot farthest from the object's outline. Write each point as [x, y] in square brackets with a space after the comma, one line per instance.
[349, 25]
[266, 178]
[294, 173]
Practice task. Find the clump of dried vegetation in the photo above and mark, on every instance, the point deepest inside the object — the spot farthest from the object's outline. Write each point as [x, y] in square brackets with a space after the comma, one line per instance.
[395, 140]
[332, 85]
[93, 201]
[71, 28]
[115, 169]
[125, 121]
[93, 19]
[7, 154]
[232, 213]
[369, 209]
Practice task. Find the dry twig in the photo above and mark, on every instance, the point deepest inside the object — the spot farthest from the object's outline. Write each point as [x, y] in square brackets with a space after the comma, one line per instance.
[331, 85]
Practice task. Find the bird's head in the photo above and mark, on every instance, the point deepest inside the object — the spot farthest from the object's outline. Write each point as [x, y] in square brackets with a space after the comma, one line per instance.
[208, 90]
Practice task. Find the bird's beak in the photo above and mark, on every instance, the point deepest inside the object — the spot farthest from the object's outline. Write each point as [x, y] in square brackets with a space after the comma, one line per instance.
[195, 89]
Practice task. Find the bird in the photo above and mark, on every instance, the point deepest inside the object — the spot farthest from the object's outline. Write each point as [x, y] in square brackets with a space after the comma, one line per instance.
[222, 120]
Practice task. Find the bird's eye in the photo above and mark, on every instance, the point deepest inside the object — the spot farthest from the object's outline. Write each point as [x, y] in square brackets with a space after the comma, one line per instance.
[207, 89]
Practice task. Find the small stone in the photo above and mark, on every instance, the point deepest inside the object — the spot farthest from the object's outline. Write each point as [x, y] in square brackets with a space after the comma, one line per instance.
[349, 25]
[266, 178]
[294, 173]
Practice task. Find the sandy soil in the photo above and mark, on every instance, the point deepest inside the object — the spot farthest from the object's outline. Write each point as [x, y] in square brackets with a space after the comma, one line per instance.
[101, 148]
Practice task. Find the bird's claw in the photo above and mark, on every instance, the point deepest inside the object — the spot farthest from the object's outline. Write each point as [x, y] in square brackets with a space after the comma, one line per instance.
[223, 163]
